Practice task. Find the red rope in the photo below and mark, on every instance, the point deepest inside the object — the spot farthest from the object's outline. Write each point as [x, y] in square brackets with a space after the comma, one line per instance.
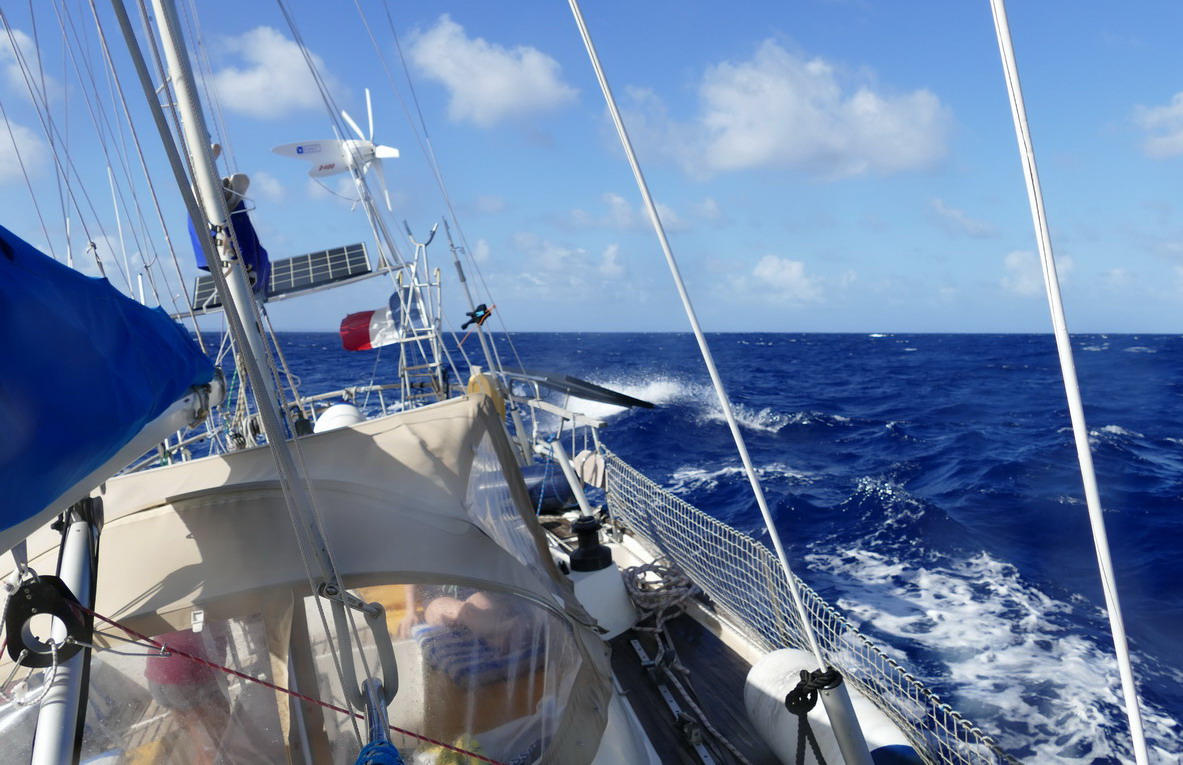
[228, 670]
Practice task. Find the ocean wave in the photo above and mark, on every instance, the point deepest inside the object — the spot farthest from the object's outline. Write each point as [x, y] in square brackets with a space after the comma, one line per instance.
[1114, 430]
[690, 478]
[701, 398]
[1008, 650]
[768, 420]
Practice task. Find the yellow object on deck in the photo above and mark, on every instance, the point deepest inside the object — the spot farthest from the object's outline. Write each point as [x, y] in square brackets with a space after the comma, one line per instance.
[482, 383]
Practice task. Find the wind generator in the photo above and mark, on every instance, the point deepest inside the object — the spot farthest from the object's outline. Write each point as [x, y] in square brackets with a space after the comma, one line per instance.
[333, 156]
[411, 317]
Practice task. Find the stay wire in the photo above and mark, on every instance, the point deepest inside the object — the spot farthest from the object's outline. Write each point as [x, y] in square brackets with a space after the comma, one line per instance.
[103, 127]
[28, 181]
[49, 127]
[57, 176]
[283, 456]
[1071, 384]
[429, 151]
[708, 359]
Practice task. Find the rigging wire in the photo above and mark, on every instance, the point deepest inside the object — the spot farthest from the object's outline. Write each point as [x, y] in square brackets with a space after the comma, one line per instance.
[425, 145]
[57, 176]
[99, 119]
[40, 101]
[1071, 384]
[724, 402]
[151, 186]
[287, 456]
[28, 181]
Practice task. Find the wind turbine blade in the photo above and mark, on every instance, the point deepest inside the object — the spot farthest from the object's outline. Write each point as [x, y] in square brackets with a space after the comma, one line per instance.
[370, 114]
[382, 182]
[353, 124]
[385, 152]
[309, 150]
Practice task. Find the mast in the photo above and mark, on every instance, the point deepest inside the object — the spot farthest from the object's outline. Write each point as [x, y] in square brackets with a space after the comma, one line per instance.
[209, 191]
[243, 323]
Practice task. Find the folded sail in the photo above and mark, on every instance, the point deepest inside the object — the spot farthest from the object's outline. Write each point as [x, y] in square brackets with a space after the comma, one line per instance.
[84, 369]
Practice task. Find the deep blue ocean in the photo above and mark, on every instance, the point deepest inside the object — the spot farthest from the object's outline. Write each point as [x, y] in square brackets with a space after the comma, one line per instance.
[927, 485]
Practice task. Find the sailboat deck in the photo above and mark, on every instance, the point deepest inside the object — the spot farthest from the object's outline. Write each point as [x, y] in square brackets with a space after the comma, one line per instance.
[717, 678]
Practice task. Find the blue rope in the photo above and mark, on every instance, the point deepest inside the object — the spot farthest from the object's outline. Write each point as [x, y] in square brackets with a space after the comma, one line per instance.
[542, 486]
[379, 753]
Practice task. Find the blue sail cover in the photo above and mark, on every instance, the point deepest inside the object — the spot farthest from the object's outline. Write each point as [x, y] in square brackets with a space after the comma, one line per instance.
[254, 255]
[82, 369]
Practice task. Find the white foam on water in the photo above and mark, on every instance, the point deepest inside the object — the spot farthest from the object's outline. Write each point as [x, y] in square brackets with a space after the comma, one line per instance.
[664, 391]
[1006, 647]
[1140, 349]
[658, 391]
[1115, 430]
[690, 478]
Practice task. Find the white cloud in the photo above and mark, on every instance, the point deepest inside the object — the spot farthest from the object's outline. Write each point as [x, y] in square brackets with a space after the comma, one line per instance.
[958, 222]
[1116, 278]
[32, 150]
[273, 80]
[780, 109]
[1024, 274]
[780, 281]
[621, 216]
[556, 271]
[708, 210]
[1166, 123]
[268, 186]
[488, 83]
[481, 251]
[489, 204]
[12, 73]
[610, 265]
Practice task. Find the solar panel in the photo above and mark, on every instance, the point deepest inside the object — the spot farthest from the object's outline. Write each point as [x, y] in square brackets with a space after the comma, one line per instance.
[297, 275]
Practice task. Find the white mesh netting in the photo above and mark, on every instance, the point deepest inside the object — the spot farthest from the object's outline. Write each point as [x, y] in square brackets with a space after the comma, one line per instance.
[744, 580]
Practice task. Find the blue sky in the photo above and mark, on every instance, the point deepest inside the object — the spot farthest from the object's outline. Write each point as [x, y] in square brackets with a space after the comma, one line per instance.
[821, 166]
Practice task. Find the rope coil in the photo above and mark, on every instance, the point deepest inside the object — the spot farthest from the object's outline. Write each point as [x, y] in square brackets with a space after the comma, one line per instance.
[661, 591]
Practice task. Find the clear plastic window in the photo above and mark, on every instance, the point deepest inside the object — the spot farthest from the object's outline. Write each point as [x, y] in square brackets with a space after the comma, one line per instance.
[481, 670]
[167, 709]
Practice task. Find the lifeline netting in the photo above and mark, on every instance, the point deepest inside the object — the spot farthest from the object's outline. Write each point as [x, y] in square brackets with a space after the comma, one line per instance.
[745, 582]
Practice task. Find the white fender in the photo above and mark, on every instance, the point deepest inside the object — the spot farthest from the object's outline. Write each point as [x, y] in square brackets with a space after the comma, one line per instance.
[777, 673]
[338, 416]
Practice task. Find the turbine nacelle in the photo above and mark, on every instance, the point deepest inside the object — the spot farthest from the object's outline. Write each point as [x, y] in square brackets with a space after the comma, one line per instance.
[333, 156]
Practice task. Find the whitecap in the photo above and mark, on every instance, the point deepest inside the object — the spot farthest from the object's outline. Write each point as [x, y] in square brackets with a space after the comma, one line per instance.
[990, 628]
[1114, 430]
[691, 478]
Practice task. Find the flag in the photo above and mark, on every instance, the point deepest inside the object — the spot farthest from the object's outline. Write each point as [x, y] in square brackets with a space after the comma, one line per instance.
[367, 330]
